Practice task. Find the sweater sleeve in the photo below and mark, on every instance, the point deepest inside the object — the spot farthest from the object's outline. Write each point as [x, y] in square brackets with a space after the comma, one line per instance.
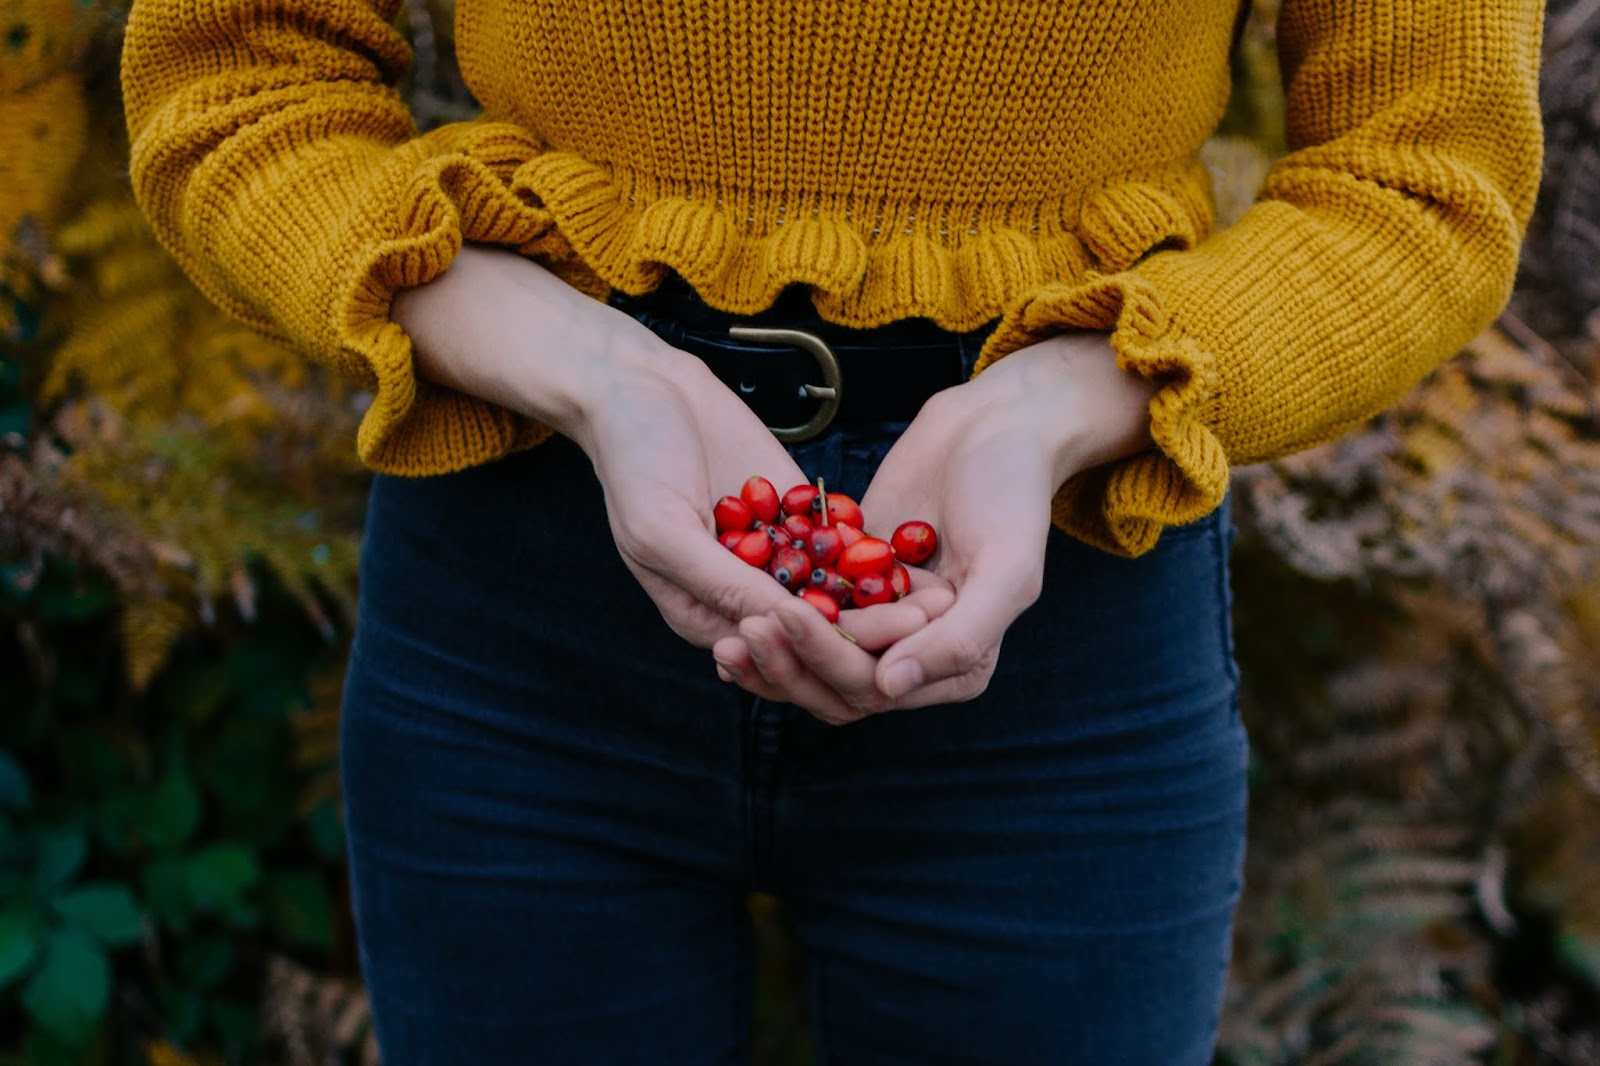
[1377, 247]
[276, 161]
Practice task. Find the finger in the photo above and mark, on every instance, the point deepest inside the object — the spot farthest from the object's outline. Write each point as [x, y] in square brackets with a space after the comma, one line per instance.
[678, 549]
[950, 690]
[927, 579]
[778, 665]
[875, 628]
[965, 639]
[732, 654]
[847, 671]
[733, 660]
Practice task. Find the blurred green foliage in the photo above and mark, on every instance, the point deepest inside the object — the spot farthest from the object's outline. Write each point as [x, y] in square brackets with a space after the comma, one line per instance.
[153, 843]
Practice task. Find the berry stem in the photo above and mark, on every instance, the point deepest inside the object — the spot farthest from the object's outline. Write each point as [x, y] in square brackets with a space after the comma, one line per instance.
[822, 494]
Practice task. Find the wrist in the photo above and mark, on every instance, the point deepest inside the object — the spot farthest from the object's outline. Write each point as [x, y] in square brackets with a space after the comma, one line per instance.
[499, 326]
[1076, 401]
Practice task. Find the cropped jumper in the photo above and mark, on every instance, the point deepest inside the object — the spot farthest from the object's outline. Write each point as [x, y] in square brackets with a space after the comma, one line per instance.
[956, 160]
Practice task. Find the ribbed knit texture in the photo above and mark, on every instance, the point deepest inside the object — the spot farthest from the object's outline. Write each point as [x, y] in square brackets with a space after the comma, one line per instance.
[949, 159]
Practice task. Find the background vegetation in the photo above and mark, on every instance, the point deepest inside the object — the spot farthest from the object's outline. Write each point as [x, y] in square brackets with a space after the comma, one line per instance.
[1418, 613]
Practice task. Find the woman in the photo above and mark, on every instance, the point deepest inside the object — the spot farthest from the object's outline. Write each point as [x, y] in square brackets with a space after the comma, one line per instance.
[555, 812]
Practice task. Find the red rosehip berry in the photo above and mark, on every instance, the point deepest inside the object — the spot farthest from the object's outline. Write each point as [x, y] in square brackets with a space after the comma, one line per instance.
[801, 501]
[791, 567]
[831, 584]
[869, 555]
[731, 538]
[872, 589]
[732, 513]
[762, 499]
[914, 543]
[900, 581]
[779, 536]
[754, 548]
[842, 510]
[822, 602]
[848, 534]
[798, 527]
[824, 545]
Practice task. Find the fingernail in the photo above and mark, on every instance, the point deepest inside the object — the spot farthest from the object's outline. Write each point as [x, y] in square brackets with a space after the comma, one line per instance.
[733, 671]
[902, 677]
[791, 625]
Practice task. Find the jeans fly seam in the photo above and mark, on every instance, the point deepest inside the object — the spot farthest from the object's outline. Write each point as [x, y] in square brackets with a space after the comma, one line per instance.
[763, 736]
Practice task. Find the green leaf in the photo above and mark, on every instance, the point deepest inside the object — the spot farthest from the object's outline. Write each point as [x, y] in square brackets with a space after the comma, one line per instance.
[20, 940]
[326, 830]
[218, 877]
[237, 1025]
[69, 600]
[205, 961]
[68, 993]
[246, 770]
[108, 912]
[180, 1011]
[95, 761]
[14, 420]
[195, 694]
[172, 813]
[119, 820]
[14, 791]
[60, 856]
[42, 1049]
[300, 908]
[1580, 953]
[165, 882]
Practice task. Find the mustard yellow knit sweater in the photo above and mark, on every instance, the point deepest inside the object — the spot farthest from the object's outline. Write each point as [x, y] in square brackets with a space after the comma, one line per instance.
[961, 160]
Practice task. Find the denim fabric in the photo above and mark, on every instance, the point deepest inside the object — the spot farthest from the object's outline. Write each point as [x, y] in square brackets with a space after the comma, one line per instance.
[556, 810]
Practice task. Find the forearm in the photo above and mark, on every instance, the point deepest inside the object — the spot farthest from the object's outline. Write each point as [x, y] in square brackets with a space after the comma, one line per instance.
[498, 326]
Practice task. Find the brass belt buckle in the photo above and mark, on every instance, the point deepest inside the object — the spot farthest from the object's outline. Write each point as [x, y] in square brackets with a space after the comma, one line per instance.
[829, 392]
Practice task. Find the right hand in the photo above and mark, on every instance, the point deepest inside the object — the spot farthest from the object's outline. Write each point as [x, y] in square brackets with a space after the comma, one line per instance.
[666, 438]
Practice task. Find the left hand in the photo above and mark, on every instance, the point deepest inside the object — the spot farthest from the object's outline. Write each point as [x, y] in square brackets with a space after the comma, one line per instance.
[982, 462]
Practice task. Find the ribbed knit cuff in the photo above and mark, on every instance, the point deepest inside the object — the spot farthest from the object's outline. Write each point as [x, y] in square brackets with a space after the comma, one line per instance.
[414, 427]
[1122, 507]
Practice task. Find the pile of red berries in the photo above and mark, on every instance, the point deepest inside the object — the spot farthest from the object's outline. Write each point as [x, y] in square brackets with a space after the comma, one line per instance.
[812, 542]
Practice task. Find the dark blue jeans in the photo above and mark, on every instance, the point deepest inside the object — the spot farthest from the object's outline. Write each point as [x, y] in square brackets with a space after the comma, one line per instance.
[556, 809]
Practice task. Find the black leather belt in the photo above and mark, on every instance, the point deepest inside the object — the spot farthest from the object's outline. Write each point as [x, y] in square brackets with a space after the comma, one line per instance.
[800, 373]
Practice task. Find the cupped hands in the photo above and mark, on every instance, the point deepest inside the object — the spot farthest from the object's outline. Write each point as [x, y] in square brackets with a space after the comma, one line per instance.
[981, 462]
